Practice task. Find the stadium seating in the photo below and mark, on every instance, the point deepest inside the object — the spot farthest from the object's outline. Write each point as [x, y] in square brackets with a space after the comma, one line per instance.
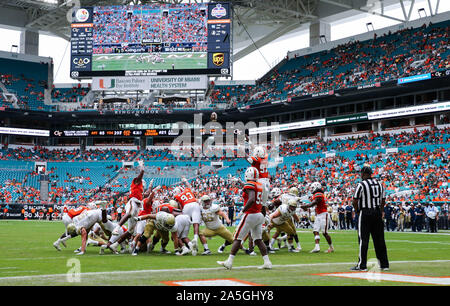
[27, 80]
[386, 58]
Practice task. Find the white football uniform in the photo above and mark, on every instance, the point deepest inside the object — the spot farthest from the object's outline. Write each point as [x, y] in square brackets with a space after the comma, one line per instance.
[133, 207]
[193, 210]
[87, 219]
[321, 223]
[286, 214]
[210, 217]
[182, 225]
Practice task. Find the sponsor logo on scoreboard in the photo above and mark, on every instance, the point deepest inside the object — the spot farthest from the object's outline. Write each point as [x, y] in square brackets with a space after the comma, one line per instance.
[218, 59]
[219, 11]
[82, 15]
[81, 62]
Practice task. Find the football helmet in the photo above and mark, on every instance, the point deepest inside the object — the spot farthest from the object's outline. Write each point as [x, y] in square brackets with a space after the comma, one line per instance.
[259, 151]
[251, 174]
[71, 229]
[314, 186]
[205, 201]
[293, 191]
[177, 191]
[173, 203]
[276, 192]
[169, 220]
[292, 203]
[91, 205]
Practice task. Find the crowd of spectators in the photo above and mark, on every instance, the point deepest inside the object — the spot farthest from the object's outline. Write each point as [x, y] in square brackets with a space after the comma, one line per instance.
[389, 57]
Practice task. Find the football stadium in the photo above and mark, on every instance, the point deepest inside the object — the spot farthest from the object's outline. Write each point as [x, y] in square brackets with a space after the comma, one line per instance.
[225, 143]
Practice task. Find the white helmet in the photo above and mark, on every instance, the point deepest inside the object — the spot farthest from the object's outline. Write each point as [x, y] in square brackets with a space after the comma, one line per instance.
[92, 205]
[259, 151]
[251, 174]
[314, 186]
[276, 192]
[173, 203]
[177, 191]
[205, 201]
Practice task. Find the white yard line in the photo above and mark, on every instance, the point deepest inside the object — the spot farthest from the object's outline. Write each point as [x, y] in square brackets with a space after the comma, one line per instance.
[26, 277]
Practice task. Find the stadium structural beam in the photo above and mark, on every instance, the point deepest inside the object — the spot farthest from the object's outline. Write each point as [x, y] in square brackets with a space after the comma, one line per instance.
[350, 7]
[284, 29]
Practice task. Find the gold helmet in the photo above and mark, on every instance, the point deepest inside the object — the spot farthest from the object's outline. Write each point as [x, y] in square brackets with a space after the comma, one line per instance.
[292, 203]
[205, 201]
[293, 191]
[71, 229]
[170, 220]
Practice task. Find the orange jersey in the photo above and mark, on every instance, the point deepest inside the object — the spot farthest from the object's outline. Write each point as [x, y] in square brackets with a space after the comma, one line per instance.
[147, 208]
[136, 191]
[76, 211]
[185, 197]
[258, 189]
[262, 165]
[164, 205]
[321, 205]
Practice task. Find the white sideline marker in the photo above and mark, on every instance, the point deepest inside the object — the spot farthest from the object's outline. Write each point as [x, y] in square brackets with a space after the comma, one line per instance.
[381, 276]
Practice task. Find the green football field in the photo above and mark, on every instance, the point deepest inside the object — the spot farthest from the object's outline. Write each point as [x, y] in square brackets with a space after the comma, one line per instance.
[180, 60]
[27, 257]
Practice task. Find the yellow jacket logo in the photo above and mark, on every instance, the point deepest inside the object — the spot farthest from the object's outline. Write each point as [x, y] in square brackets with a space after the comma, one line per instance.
[218, 59]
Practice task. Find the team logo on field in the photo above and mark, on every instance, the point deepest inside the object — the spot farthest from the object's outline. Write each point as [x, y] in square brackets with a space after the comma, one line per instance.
[218, 59]
[82, 15]
[218, 11]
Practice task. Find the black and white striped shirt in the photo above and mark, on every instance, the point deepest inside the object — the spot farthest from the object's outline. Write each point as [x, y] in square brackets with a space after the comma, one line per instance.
[369, 192]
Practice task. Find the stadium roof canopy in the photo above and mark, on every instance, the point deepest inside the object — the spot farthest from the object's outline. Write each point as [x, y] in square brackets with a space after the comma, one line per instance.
[255, 24]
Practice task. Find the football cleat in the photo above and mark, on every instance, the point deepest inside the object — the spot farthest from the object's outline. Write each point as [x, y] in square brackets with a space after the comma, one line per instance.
[330, 250]
[164, 251]
[270, 250]
[102, 251]
[298, 248]
[356, 268]
[185, 250]
[384, 269]
[113, 247]
[292, 250]
[134, 253]
[226, 264]
[221, 249]
[56, 245]
[207, 252]
[315, 250]
[266, 265]
[150, 247]
[80, 253]
[77, 250]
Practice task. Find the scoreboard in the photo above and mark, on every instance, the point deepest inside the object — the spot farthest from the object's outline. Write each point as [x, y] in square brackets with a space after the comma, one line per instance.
[151, 39]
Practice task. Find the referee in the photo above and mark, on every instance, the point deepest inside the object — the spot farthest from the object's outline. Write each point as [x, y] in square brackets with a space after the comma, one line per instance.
[369, 201]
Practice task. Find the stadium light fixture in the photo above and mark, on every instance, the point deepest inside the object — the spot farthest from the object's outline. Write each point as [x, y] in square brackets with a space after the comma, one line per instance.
[369, 25]
[14, 48]
[422, 10]
[323, 39]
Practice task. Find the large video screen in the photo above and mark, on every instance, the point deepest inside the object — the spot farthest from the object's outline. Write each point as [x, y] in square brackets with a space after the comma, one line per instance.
[153, 39]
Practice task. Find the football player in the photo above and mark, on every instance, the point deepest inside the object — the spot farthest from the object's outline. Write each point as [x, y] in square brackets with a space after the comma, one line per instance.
[68, 219]
[213, 226]
[260, 160]
[169, 208]
[188, 203]
[132, 208]
[281, 219]
[144, 229]
[321, 217]
[83, 223]
[252, 219]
